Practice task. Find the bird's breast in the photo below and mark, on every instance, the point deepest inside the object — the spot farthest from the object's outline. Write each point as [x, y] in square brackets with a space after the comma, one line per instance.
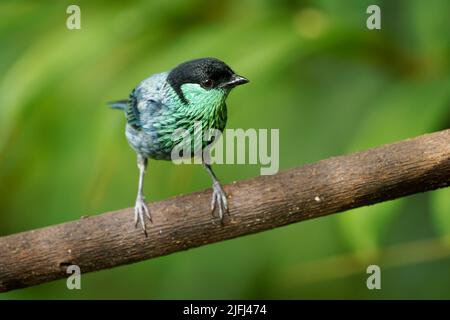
[167, 125]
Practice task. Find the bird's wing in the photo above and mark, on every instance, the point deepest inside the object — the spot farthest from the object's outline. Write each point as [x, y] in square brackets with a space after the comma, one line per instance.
[130, 108]
[145, 101]
[132, 112]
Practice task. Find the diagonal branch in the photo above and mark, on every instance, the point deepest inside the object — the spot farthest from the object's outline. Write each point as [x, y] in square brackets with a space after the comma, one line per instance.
[262, 203]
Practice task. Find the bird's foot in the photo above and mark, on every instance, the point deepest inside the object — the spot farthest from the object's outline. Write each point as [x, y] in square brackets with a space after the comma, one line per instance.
[141, 209]
[219, 199]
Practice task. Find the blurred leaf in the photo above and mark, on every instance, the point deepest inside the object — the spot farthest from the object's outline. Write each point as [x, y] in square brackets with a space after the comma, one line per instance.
[363, 228]
[440, 209]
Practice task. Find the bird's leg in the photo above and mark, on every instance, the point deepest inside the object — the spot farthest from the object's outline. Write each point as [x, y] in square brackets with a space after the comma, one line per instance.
[141, 207]
[219, 198]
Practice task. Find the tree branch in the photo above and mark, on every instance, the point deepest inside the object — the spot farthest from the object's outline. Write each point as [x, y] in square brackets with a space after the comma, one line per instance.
[262, 203]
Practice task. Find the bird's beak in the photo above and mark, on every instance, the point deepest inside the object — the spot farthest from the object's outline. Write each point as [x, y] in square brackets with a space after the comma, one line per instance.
[235, 80]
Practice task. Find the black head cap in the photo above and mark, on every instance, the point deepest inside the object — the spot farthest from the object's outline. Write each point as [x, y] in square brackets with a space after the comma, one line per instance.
[207, 72]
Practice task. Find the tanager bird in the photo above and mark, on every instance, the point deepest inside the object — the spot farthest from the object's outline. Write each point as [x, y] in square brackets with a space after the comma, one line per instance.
[193, 92]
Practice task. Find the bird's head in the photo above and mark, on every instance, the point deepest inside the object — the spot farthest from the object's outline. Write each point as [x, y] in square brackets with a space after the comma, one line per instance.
[205, 80]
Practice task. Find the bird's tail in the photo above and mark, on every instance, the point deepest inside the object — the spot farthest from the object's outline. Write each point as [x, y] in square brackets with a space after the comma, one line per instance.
[119, 104]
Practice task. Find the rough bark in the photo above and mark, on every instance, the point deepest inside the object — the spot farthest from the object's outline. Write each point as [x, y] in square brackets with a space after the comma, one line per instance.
[314, 190]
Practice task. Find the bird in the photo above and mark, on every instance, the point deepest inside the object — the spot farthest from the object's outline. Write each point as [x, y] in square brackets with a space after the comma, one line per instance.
[194, 91]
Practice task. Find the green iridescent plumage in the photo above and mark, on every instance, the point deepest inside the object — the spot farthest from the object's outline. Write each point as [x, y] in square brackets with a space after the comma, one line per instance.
[205, 108]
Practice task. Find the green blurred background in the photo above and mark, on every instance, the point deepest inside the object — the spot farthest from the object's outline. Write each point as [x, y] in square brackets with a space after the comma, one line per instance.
[317, 73]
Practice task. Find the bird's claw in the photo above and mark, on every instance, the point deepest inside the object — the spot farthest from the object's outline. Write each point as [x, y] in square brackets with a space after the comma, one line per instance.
[219, 199]
[141, 209]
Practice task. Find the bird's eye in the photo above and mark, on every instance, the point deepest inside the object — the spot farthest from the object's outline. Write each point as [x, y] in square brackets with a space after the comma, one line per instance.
[207, 84]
